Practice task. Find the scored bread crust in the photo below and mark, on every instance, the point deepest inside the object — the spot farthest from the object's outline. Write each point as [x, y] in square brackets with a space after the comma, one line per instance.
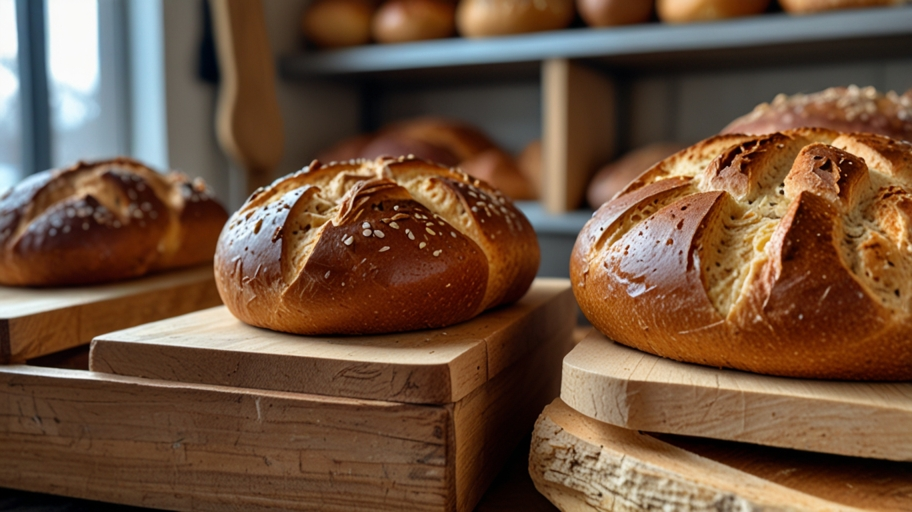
[786, 254]
[104, 221]
[373, 246]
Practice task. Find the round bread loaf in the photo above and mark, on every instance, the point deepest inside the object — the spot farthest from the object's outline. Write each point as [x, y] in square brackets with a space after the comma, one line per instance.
[400, 21]
[612, 178]
[608, 13]
[338, 23]
[104, 221]
[786, 254]
[688, 11]
[845, 109]
[482, 18]
[368, 247]
[805, 6]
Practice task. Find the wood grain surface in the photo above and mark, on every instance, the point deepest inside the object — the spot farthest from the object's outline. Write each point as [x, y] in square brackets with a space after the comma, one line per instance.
[628, 388]
[40, 321]
[583, 464]
[433, 366]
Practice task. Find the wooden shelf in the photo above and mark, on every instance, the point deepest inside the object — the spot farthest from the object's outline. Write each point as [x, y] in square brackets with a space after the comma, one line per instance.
[843, 35]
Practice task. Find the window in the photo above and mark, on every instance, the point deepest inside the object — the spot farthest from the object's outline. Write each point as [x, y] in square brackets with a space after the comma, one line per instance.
[71, 53]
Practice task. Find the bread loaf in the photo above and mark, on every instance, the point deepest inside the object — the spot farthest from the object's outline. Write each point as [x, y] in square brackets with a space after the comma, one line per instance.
[806, 6]
[483, 18]
[787, 254]
[689, 11]
[612, 178]
[338, 23]
[400, 21]
[847, 109]
[369, 247]
[608, 13]
[104, 221]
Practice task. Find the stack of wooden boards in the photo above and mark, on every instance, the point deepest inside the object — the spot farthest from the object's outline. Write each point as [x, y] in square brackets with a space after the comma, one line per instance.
[762, 443]
[203, 412]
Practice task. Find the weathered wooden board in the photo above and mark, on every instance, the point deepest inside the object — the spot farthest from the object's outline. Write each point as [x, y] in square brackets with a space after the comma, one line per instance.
[436, 366]
[631, 389]
[583, 464]
[39, 321]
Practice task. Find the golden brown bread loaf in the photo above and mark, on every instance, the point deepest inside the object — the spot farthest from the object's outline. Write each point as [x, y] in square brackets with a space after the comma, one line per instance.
[805, 6]
[400, 21]
[482, 18]
[104, 221]
[612, 178]
[787, 254]
[845, 109]
[608, 13]
[338, 23]
[688, 11]
[375, 246]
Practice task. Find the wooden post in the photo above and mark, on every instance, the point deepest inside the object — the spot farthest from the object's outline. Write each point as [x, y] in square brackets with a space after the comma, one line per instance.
[578, 133]
[248, 121]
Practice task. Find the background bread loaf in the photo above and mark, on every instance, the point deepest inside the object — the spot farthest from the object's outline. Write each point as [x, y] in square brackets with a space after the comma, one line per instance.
[338, 23]
[399, 21]
[373, 246]
[788, 254]
[847, 109]
[806, 6]
[688, 11]
[482, 18]
[104, 221]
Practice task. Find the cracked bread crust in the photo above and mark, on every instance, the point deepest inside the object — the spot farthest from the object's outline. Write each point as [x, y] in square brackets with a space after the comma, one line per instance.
[786, 254]
[371, 247]
[104, 221]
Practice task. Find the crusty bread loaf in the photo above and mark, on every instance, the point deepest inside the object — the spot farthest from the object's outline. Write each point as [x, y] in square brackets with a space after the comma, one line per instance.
[104, 221]
[787, 254]
[373, 247]
[400, 21]
[688, 11]
[806, 6]
[608, 13]
[338, 23]
[845, 109]
[482, 18]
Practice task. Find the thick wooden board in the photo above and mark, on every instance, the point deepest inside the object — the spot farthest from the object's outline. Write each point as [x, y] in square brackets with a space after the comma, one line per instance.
[628, 388]
[39, 321]
[583, 464]
[184, 446]
[433, 367]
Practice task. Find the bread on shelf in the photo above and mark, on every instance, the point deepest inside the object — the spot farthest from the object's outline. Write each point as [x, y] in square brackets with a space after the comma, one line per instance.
[484, 18]
[400, 21]
[338, 23]
[104, 221]
[609, 13]
[689, 11]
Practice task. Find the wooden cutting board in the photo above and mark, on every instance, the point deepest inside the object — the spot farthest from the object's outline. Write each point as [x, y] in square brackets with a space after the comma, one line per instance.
[632, 389]
[582, 464]
[39, 321]
[436, 366]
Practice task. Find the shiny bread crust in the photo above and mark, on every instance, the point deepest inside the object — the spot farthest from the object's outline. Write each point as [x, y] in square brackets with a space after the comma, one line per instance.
[96, 222]
[373, 246]
[786, 254]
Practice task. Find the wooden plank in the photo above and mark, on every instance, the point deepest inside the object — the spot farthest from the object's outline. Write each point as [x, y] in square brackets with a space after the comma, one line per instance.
[583, 464]
[40, 321]
[578, 131]
[494, 418]
[196, 447]
[639, 391]
[433, 366]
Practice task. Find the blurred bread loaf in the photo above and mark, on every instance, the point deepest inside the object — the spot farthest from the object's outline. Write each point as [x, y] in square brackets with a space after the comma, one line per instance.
[688, 11]
[612, 178]
[607, 13]
[104, 221]
[482, 18]
[447, 142]
[847, 109]
[373, 246]
[338, 23]
[399, 21]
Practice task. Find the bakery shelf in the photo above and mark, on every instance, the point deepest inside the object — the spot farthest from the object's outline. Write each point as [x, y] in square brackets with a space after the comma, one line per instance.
[880, 32]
